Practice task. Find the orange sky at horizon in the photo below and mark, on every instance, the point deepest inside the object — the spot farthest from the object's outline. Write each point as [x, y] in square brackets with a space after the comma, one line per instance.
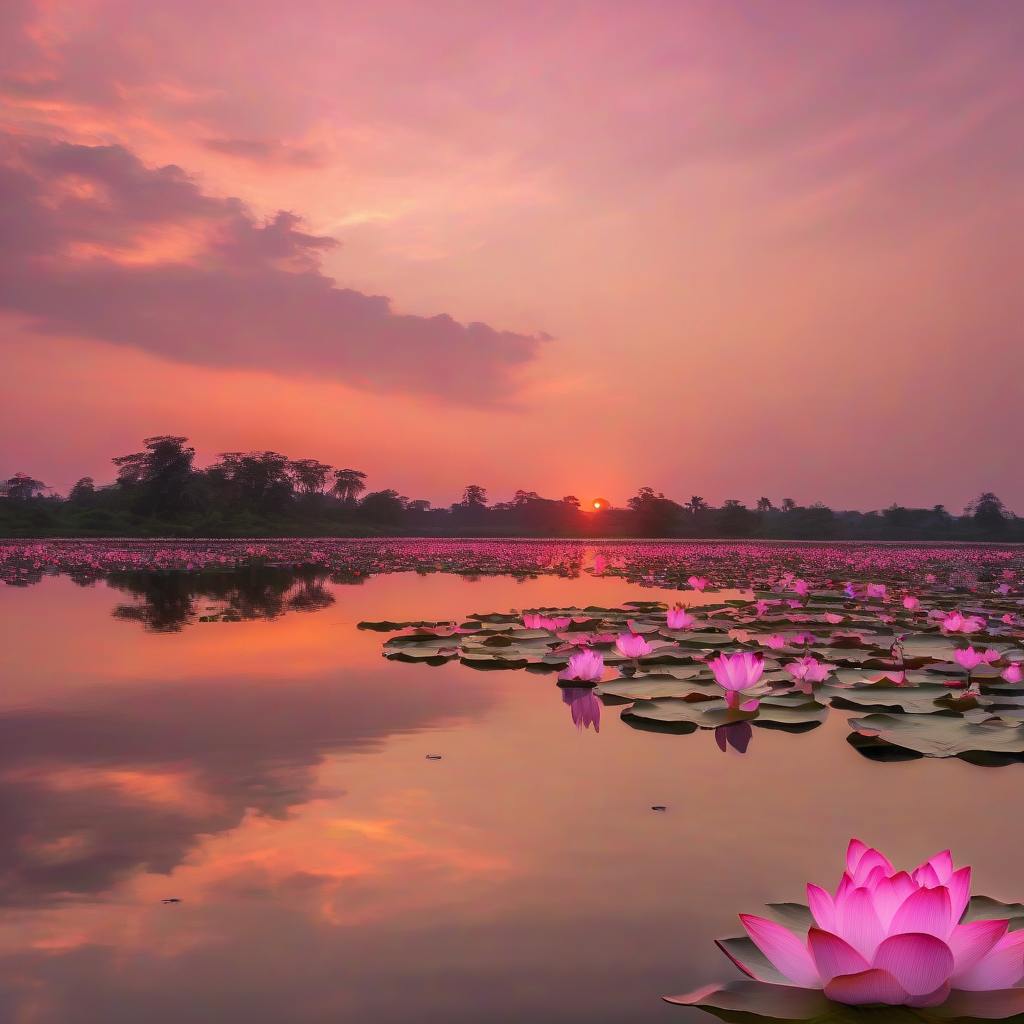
[717, 250]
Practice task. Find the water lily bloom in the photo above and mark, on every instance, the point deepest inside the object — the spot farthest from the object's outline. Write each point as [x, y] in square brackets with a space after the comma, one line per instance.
[808, 669]
[697, 582]
[990, 656]
[679, 618]
[887, 937]
[587, 666]
[1012, 673]
[957, 623]
[969, 659]
[911, 603]
[876, 590]
[800, 587]
[774, 641]
[629, 645]
[584, 706]
[737, 672]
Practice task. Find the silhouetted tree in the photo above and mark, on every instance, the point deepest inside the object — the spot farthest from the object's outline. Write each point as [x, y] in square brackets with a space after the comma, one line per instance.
[83, 493]
[696, 504]
[21, 487]
[788, 505]
[309, 475]
[158, 476]
[348, 484]
[256, 480]
[655, 515]
[475, 496]
[988, 512]
[384, 507]
[764, 505]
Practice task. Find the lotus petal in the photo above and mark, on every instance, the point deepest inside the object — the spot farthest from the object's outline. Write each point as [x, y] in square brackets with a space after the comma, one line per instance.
[926, 911]
[854, 852]
[746, 955]
[834, 956]
[871, 860]
[919, 962]
[887, 897]
[858, 922]
[1001, 967]
[870, 986]
[822, 907]
[959, 885]
[970, 943]
[783, 949]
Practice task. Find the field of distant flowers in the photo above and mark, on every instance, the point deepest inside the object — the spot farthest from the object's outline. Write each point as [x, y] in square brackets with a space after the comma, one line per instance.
[660, 564]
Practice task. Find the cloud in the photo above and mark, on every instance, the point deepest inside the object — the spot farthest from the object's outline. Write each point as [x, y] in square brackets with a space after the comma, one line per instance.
[264, 151]
[94, 243]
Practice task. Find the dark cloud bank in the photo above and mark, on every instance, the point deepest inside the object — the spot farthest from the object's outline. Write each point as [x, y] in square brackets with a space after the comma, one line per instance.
[239, 294]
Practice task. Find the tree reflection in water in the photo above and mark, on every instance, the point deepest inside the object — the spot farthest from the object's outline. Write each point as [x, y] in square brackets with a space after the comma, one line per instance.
[166, 602]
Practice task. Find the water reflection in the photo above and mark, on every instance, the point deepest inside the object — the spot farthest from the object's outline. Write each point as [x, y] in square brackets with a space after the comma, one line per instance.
[736, 735]
[272, 776]
[168, 601]
[584, 705]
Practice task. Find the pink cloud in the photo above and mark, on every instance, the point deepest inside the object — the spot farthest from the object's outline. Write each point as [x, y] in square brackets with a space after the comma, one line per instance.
[93, 246]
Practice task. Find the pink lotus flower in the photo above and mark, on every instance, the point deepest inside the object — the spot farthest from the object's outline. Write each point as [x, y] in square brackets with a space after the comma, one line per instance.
[587, 666]
[990, 657]
[809, 670]
[957, 623]
[679, 618]
[774, 641]
[584, 706]
[697, 582]
[1013, 673]
[969, 659]
[888, 937]
[800, 587]
[542, 622]
[876, 590]
[737, 672]
[629, 645]
[911, 603]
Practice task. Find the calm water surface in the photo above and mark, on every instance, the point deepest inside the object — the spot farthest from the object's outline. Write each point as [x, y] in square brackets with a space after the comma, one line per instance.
[273, 776]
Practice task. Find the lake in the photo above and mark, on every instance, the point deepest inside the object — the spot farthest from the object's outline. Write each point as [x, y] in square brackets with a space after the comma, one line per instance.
[357, 837]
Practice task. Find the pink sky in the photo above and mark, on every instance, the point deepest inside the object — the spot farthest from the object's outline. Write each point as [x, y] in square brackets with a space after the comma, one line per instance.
[721, 249]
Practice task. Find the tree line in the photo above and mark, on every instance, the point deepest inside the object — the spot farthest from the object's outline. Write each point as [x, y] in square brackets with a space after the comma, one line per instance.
[160, 492]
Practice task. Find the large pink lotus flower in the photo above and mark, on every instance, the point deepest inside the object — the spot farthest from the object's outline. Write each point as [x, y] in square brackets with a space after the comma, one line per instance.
[629, 645]
[911, 603]
[887, 937]
[737, 672]
[679, 618]
[809, 670]
[697, 582]
[587, 666]
[1012, 673]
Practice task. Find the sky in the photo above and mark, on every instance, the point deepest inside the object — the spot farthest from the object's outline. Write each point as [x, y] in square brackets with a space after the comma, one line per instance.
[721, 249]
